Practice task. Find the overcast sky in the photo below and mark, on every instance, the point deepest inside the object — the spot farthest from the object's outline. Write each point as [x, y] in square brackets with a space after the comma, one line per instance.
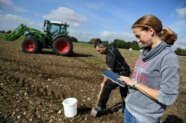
[104, 19]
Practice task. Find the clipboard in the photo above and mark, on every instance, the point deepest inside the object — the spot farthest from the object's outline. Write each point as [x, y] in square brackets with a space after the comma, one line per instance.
[113, 76]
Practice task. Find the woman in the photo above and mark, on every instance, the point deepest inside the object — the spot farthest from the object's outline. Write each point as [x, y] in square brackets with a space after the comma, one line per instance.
[155, 79]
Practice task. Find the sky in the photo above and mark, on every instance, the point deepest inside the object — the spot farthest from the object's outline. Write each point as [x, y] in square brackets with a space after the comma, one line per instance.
[104, 19]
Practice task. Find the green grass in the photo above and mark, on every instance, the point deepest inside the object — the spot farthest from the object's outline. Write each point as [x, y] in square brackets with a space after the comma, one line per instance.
[2, 36]
[182, 58]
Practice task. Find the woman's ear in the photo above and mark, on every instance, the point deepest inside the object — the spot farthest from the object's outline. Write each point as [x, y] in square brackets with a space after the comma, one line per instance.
[151, 31]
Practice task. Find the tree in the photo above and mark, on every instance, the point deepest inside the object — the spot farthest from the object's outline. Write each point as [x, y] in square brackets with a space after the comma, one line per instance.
[9, 31]
[119, 43]
[180, 51]
[2, 31]
[127, 45]
[134, 45]
[95, 41]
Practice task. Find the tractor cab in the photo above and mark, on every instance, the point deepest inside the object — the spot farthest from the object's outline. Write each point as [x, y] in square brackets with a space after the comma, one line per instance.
[58, 38]
[55, 27]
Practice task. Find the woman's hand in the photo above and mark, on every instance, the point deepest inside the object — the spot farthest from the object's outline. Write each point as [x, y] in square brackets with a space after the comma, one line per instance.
[152, 93]
[127, 80]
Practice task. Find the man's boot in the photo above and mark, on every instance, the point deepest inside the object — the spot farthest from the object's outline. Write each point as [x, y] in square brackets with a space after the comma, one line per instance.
[96, 110]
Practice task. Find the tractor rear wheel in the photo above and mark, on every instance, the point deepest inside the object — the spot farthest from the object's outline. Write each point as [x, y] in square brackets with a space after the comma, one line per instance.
[62, 46]
[31, 45]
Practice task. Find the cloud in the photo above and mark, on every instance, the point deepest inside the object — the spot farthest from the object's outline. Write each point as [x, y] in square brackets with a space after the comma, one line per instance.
[8, 4]
[92, 6]
[181, 12]
[110, 36]
[180, 43]
[67, 15]
[82, 36]
[10, 22]
[179, 26]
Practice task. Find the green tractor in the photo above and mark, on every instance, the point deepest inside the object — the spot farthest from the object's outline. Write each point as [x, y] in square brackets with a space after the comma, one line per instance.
[55, 36]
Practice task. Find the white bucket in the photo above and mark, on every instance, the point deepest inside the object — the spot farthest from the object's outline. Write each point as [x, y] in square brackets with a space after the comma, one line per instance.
[70, 107]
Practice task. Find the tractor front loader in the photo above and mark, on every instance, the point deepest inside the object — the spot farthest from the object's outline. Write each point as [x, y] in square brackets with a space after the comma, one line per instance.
[55, 36]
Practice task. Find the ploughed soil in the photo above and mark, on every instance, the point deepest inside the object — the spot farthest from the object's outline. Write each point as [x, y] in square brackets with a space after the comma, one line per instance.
[33, 86]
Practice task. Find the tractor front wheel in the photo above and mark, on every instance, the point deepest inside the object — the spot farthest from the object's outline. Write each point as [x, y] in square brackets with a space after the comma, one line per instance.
[62, 46]
[31, 46]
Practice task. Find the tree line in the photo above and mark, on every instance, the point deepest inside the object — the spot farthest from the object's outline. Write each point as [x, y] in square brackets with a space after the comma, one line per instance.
[117, 43]
[5, 32]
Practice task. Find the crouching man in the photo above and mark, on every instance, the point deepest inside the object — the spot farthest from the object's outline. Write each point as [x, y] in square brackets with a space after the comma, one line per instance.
[116, 63]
